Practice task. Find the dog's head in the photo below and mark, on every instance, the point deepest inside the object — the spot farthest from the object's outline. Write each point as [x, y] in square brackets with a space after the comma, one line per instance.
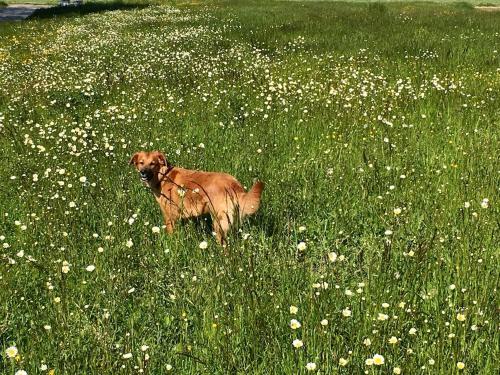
[149, 165]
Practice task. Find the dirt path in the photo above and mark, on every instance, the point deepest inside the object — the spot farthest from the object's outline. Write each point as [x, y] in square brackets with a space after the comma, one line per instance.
[490, 8]
[17, 12]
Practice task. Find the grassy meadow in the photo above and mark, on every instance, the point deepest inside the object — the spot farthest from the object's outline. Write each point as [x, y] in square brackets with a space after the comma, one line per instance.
[375, 128]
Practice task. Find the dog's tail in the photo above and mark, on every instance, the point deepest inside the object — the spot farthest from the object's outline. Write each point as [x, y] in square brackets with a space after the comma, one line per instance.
[250, 202]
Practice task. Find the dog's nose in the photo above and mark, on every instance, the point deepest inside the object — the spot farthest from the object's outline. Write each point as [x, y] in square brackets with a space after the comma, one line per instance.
[146, 174]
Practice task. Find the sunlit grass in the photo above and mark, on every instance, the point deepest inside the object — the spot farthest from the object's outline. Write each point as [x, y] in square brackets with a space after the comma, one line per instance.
[375, 128]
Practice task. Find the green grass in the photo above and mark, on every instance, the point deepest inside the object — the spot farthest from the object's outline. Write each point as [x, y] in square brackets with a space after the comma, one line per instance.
[374, 126]
[473, 2]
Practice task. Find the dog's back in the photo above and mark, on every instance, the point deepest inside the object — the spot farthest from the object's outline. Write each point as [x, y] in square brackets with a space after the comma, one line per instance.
[220, 194]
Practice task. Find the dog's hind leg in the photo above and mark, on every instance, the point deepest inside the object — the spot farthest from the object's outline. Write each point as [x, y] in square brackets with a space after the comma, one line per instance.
[223, 219]
[221, 225]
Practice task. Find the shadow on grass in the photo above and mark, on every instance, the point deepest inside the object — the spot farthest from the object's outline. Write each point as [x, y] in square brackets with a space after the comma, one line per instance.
[84, 9]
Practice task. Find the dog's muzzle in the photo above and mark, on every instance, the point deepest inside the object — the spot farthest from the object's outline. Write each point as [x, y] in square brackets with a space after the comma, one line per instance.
[146, 175]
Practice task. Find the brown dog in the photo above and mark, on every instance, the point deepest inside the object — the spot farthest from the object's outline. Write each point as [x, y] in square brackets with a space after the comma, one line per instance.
[183, 193]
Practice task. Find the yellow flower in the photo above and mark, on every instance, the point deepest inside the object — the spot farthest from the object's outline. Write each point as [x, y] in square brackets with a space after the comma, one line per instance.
[11, 352]
[297, 343]
[346, 312]
[311, 366]
[460, 317]
[294, 309]
[396, 370]
[51, 372]
[382, 316]
[65, 267]
[460, 365]
[343, 361]
[294, 324]
[393, 340]
[369, 362]
[485, 203]
[90, 268]
[378, 359]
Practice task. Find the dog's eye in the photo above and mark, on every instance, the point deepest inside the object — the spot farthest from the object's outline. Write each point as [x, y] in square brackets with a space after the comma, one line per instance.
[141, 162]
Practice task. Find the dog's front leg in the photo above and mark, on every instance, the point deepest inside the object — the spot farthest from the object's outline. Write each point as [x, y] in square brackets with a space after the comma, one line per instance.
[169, 215]
[169, 222]
[169, 226]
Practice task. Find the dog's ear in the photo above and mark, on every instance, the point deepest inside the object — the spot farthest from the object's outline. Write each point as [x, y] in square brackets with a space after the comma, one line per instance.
[161, 158]
[133, 159]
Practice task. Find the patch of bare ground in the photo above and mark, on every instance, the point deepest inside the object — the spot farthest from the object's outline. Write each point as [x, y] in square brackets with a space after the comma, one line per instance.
[488, 8]
[18, 12]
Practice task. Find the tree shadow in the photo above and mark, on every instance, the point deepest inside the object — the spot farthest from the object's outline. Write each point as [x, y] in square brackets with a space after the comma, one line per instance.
[84, 9]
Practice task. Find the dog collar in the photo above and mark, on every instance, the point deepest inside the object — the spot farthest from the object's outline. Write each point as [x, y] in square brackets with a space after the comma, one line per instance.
[169, 168]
